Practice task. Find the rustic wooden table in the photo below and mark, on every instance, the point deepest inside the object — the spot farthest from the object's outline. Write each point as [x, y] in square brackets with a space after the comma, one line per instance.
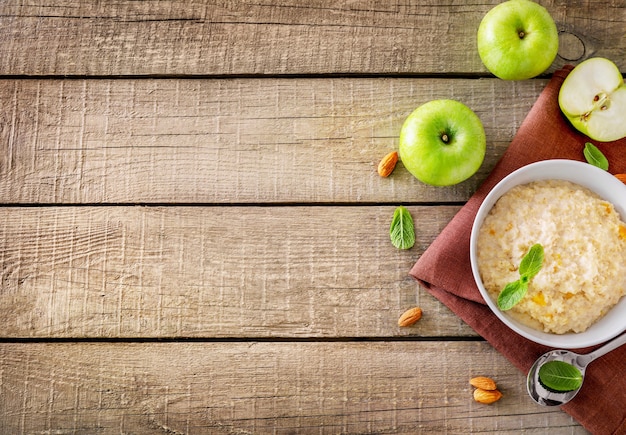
[193, 235]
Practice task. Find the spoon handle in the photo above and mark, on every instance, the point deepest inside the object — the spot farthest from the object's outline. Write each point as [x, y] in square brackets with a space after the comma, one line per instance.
[611, 345]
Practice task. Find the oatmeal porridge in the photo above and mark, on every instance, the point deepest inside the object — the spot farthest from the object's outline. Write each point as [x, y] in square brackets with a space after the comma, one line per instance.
[584, 240]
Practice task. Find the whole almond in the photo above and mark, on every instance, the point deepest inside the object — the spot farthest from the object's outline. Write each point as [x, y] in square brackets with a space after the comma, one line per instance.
[484, 383]
[621, 177]
[487, 396]
[410, 316]
[387, 164]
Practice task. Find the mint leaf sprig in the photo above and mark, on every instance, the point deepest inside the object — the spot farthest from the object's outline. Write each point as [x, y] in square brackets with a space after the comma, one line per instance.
[595, 157]
[559, 376]
[515, 291]
[401, 230]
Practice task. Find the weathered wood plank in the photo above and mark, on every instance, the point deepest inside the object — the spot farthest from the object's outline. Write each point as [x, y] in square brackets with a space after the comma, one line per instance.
[231, 141]
[268, 37]
[213, 272]
[281, 388]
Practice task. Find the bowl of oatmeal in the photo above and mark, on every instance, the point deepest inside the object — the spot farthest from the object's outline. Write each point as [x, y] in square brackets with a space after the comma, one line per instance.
[577, 213]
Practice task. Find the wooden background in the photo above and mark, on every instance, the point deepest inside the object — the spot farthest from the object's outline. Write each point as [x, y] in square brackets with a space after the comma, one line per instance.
[193, 236]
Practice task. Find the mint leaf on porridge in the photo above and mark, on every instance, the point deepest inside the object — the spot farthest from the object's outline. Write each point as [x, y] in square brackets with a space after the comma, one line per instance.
[512, 293]
[515, 291]
[595, 157]
[532, 261]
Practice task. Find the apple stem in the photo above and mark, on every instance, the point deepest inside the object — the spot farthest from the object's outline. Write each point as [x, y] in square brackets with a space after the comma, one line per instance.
[445, 138]
[521, 34]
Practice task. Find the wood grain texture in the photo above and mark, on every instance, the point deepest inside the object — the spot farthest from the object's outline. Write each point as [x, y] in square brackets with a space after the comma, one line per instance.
[269, 37]
[258, 388]
[193, 236]
[232, 140]
[214, 272]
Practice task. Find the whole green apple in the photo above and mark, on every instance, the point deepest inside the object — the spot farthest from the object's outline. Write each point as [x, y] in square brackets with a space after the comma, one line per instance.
[593, 98]
[442, 143]
[517, 40]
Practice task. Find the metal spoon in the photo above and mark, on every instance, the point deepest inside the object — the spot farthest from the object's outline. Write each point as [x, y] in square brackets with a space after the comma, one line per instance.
[549, 398]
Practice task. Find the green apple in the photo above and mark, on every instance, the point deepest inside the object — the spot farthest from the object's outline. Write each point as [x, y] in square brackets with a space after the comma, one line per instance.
[442, 142]
[593, 98]
[517, 40]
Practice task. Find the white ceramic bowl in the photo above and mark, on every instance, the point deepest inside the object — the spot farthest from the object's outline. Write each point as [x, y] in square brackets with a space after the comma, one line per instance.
[607, 187]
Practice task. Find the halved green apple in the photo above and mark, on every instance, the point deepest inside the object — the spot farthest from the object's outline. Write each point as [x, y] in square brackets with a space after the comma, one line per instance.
[593, 98]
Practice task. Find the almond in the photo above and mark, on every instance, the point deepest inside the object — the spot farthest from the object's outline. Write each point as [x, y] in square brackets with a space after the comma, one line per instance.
[410, 316]
[484, 383]
[621, 177]
[387, 164]
[487, 396]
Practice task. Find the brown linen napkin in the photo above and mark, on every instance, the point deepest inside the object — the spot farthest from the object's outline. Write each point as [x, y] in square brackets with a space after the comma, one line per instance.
[445, 271]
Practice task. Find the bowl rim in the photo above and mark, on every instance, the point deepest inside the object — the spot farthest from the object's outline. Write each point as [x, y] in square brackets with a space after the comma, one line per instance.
[595, 179]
